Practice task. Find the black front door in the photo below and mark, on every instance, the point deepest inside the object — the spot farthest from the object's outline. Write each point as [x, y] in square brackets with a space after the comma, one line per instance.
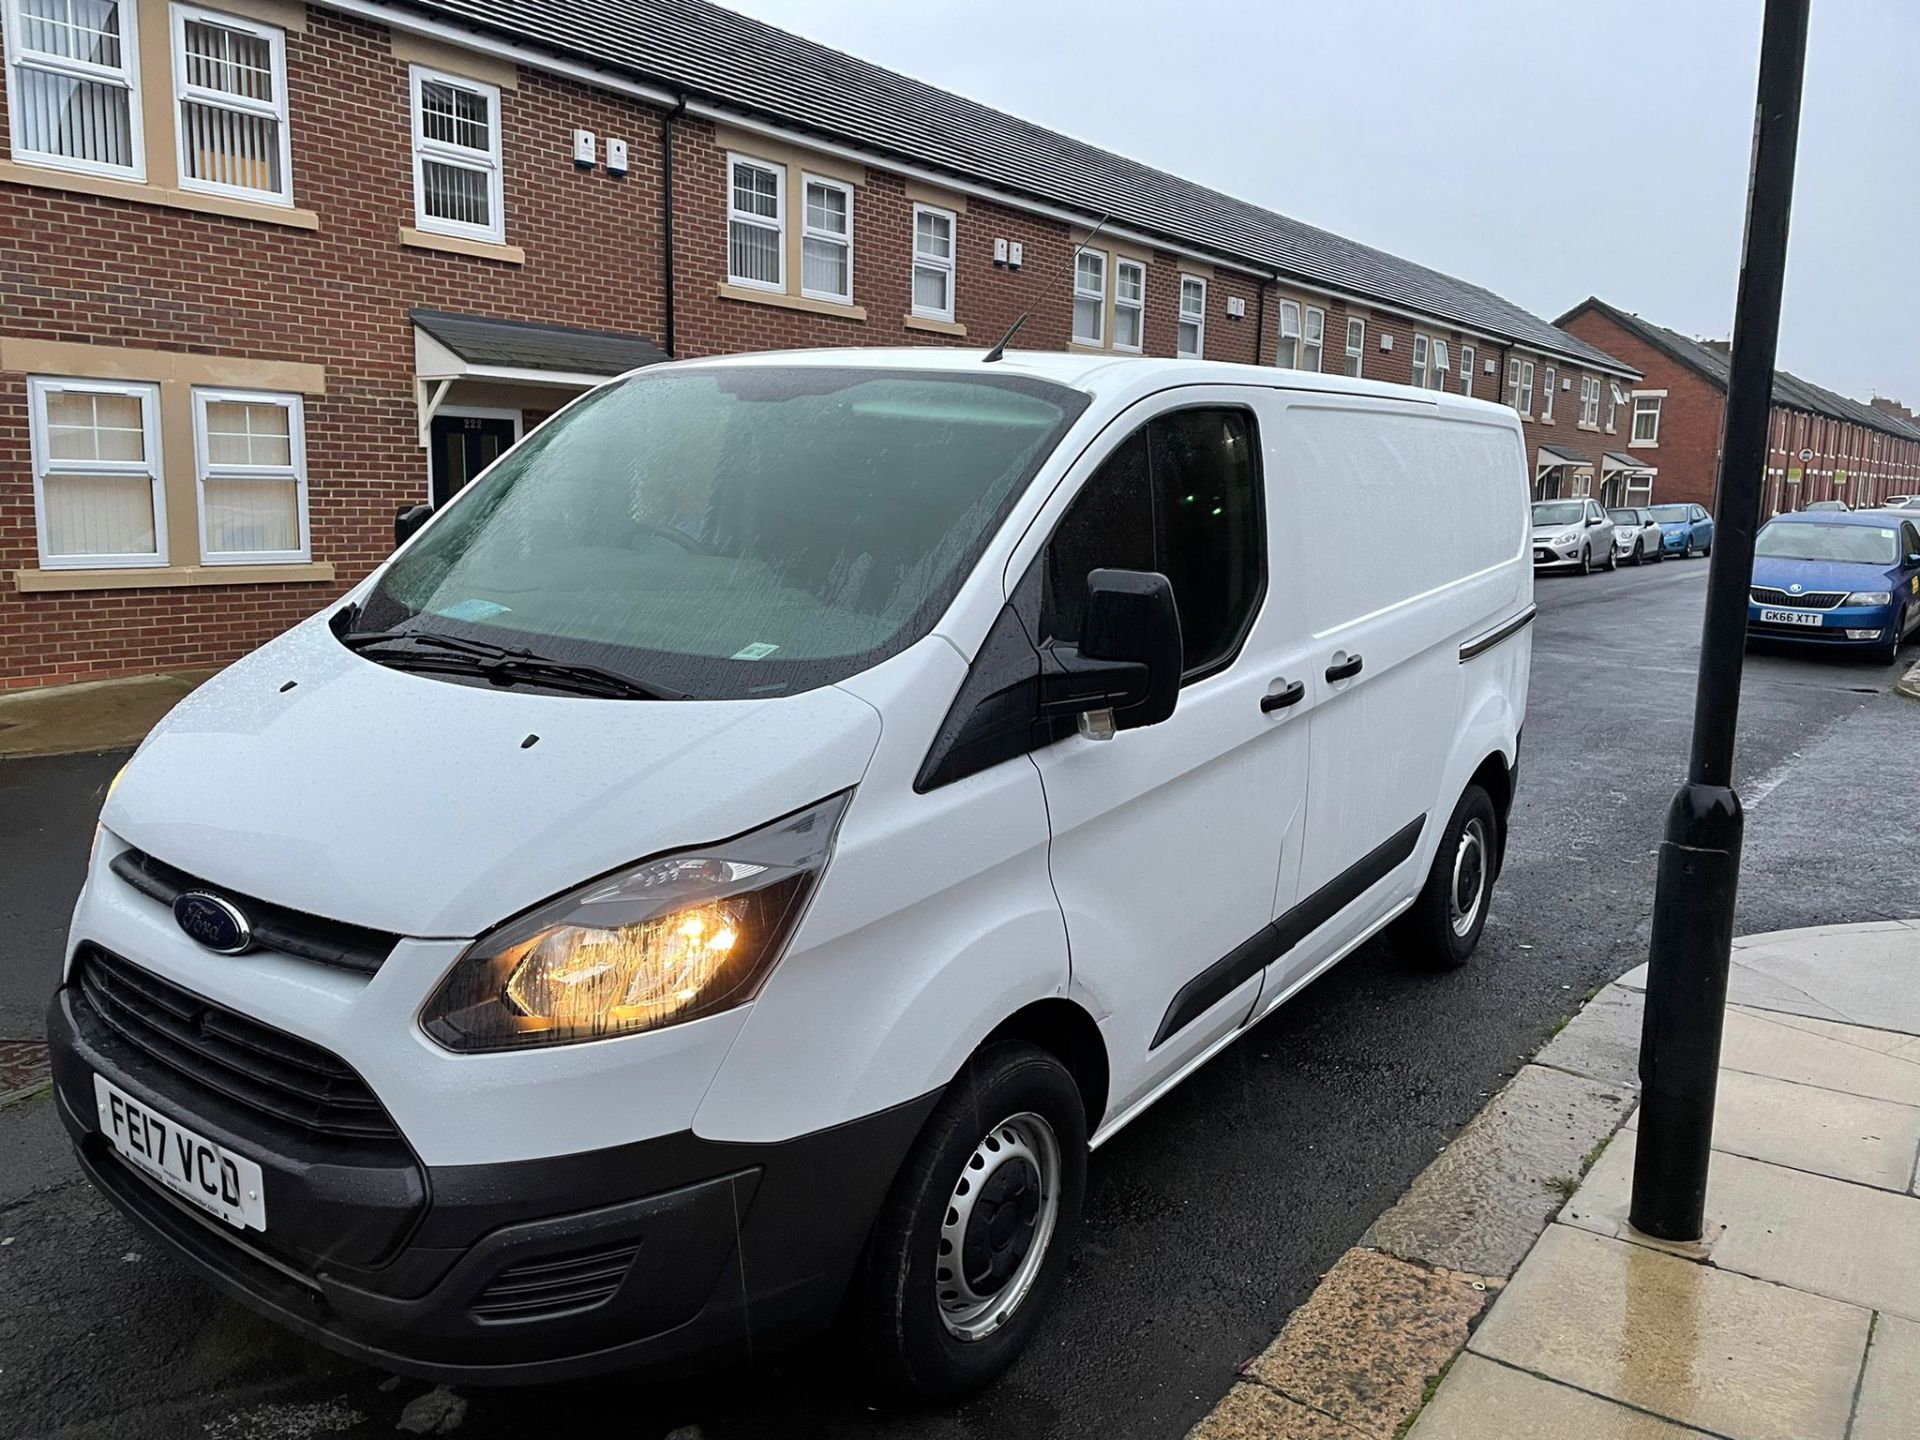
[463, 446]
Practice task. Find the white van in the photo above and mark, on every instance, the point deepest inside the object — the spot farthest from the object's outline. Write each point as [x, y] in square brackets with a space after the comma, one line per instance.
[731, 866]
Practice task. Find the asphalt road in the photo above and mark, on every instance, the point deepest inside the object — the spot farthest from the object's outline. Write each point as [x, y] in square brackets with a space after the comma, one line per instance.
[1208, 1220]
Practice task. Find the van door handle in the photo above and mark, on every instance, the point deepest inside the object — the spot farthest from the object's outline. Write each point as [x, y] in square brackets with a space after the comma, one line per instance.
[1289, 693]
[1344, 669]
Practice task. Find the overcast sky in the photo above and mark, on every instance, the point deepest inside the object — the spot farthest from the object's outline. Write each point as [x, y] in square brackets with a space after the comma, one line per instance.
[1547, 151]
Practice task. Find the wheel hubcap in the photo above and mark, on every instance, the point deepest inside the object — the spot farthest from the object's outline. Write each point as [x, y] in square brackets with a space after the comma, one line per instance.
[1000, 1217]
[1468, 891]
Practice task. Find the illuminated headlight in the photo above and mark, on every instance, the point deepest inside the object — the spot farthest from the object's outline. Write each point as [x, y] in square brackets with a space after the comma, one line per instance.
[1869, 597]
[659, 943]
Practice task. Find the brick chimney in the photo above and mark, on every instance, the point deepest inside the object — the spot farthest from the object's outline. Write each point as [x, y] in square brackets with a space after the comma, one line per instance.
[1894, 408]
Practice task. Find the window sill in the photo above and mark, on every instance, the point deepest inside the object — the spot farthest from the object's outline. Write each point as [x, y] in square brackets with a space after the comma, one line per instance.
[170, 577]
[934, 327]
[165, 198]
[1546, 419]
[1081, 347]
[1643, 444]
[458, 245]
[780, 300]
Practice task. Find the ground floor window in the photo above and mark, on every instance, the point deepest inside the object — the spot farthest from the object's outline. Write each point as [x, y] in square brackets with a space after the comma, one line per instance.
[251, 449]
[99, 495]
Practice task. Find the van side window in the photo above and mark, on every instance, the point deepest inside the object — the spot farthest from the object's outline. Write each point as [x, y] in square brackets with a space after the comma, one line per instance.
[1181, 496]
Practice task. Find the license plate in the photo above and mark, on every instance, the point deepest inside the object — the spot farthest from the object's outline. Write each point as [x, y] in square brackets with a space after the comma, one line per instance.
[1788, 617]
[209, 1175]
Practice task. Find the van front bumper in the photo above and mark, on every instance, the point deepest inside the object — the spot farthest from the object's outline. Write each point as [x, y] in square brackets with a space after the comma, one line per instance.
[666, 1255]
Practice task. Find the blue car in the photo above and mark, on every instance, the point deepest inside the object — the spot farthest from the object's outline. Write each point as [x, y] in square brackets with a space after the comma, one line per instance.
[1837, 577]
[1685, 530]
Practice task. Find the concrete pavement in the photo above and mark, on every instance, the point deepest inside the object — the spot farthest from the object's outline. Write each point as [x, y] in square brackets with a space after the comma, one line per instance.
[1799, 1318]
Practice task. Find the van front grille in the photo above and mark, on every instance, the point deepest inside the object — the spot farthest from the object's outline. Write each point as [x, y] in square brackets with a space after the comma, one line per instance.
[290, 932]
[541, 1289]
[268, 1071]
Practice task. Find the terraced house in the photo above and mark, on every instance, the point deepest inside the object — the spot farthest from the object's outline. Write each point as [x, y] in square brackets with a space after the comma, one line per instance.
[270, 272]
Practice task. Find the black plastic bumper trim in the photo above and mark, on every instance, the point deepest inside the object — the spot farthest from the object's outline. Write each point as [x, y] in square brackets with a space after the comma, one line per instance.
[1505, 630]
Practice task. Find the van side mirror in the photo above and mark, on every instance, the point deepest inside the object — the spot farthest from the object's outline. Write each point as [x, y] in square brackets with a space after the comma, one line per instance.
[408, 521]
[1125, 672]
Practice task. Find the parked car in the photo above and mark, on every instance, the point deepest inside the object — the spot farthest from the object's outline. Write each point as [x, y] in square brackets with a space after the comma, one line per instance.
[1824, 505]
[1836, 578]
[1636, 534]
[1685, 530]
[1901, 502]
[1574, 533]
[732, 863]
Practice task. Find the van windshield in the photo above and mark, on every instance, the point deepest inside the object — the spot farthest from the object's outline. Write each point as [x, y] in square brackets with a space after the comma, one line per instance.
[735, 530]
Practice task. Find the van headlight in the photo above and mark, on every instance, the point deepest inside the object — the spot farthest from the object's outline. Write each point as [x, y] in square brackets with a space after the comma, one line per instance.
[1869, 597]
[661, 942]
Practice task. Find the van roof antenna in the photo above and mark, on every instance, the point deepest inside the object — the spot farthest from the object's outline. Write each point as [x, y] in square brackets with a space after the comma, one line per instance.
[999, 351]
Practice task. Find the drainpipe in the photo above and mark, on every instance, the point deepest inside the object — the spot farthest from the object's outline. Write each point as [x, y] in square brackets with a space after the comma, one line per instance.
[1260, 321]
[666, 216]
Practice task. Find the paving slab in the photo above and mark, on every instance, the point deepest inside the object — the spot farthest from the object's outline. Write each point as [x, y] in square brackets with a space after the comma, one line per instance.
[1373, 1334]
[92, 715]
[1479, 1400]
[1829, 1132]
[1889, 1404]
[1880, 1064]
[1253, 1412]
[1826, 1237]
[1480, 1205]
[1698, 1345]
[1602, 1042]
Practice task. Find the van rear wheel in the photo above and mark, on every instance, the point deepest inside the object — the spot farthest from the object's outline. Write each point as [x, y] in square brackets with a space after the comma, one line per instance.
[972, 1238]
[1444, 923]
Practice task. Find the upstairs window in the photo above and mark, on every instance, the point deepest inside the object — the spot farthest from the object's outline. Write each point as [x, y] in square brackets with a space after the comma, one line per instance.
[251, 451]
[1129, 305]
[933, 263]
[1437, 372]
[456, 157]
[1314, 342]
[1614, 401]
[1090, 297]
[1191, 342]
[73, 86]
[230, 82]
[1356, 346]
[1590, 402]
[1546, 402]
[1467, 361]
[1520, 385]
[1420, 348]
[826, 240]
[1646, 419]
[756, 224]
[96, 473]
[1287, 356]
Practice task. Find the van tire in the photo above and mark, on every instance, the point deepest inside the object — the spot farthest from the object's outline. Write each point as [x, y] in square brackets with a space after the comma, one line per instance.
[1429, 933]
[909, 1343]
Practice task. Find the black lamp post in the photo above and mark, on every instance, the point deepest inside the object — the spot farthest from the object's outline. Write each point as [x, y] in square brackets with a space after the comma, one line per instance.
[1700, 857]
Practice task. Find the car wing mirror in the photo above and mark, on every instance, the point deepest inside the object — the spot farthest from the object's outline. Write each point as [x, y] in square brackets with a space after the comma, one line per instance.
[1125, 672]
[408, 522]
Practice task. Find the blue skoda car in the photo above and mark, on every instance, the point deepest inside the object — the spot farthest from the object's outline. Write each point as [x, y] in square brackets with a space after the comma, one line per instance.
[1685, 530]
[1837, 577]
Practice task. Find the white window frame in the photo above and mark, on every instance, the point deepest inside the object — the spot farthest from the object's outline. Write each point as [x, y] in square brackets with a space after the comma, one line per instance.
[1590, 402]
[148, 394]
[204, 469]
[1520, 385]
[460, 157]
[1285, 358]
[778, 224]
[934, 262]
[1437, 365]
[126, 75]
[1613, 405]
[1120, 267]
[1356, 350]
[1552, 382]
[1196, 318]
[1421, 348]
[1080, 292]
[809, 232]
[1468, 359]
[1313, 340]
[1658, 400]
[184, 90]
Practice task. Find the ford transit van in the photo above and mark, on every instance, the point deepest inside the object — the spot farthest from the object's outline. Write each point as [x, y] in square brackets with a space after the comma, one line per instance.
[729, 868]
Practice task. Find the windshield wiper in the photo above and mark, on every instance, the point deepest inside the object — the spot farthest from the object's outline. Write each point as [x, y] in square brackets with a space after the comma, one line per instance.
[504, 666]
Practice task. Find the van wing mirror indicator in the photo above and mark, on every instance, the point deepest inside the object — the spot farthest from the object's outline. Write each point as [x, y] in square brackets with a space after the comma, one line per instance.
[1129, 657]
[408, 521]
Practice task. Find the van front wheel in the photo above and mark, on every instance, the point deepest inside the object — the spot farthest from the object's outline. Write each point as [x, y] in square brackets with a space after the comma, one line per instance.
[1444, 923]
[972, 1238]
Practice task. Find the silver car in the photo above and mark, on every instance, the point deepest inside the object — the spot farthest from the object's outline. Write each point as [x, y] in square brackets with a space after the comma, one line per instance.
[1574, 533]
[1636, 534]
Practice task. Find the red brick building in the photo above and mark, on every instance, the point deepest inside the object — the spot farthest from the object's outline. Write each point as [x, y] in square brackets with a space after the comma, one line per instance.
[270, 272]
[1825, 446]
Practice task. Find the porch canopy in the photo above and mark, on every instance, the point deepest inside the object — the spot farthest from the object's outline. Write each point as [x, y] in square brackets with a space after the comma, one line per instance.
[1624, 478]
[474, 356]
